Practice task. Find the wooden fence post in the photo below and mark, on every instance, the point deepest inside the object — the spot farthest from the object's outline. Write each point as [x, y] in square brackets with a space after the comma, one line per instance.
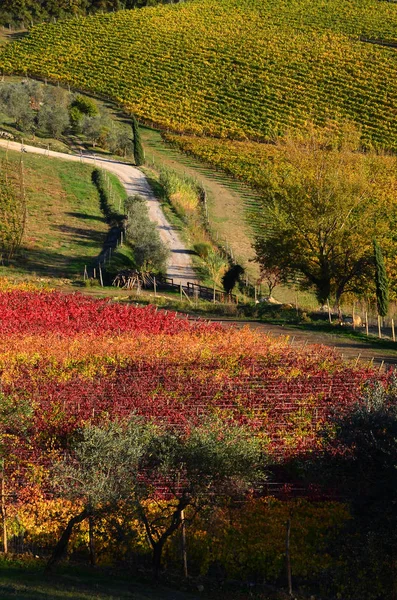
[184, 553]
[91, 540]
[379, 327]
[100, 274]
[366, 323]
[393, 333]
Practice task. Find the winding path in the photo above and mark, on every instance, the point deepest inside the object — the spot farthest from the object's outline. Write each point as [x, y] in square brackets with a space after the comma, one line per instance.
[179, 266]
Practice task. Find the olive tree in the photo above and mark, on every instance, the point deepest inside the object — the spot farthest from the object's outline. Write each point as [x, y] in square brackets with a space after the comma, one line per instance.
[99, 470]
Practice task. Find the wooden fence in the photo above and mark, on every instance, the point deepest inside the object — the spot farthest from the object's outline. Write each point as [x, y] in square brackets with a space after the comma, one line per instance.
[194, 290]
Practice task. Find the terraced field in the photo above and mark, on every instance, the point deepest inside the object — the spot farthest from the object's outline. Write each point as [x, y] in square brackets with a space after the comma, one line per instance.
[243, 69]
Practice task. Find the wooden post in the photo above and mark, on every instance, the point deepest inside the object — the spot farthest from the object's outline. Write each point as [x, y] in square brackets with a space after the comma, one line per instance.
[329, 313]
[154, 286]
[354, 314]
[379, 327]
[91, 540]
[393, 333]
[85, 272]
[288, 556]
[180, 291]
[255, 294]
[100, 274]
[3, 510]
[94, 273]
[121, 238]
[184, 553]
[366, 323]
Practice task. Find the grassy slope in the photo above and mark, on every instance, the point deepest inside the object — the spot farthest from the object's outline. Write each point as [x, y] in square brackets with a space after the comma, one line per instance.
[65, 227]
[226, 198]
[239, 68]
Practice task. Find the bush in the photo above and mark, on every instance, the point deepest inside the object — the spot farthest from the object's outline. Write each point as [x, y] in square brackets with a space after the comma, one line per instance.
[203, 249]
[86, 106]
[150, 253]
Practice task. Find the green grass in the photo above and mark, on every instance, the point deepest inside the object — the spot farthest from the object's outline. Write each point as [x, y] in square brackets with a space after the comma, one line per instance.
[65, 228]
[290, 63]
[227, 199]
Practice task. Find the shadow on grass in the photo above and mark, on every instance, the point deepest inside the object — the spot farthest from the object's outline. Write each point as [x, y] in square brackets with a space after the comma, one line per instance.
[47, 263]
[85, 217]
[80, 235]
[77, 583]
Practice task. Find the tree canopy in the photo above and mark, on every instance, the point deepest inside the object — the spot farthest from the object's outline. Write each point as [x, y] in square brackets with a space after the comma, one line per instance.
[324, 203]
[16, 12]
[136, 462]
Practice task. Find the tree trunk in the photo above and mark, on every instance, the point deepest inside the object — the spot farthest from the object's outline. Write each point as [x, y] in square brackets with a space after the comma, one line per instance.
[158, 545]
[157, 554]
[91, 540]
[62, 545]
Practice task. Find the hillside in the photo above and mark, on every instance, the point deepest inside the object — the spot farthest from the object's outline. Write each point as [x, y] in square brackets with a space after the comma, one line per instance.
[234, 69]
[65, 228]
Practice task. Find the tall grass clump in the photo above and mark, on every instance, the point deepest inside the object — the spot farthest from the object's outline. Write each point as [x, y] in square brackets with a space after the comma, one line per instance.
[182, 192]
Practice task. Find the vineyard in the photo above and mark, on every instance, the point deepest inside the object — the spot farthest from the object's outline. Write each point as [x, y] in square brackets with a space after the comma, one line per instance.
[67, 362]
[80, 360]
[239, 70]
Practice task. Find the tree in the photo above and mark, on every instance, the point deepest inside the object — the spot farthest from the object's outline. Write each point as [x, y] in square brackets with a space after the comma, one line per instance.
[12, 208]
[139, 155]
[321, 208]
[120, 142]
[216, 266]
[212, 462]
[231, 277]
[150, 253]
[136, 462]
[16, 102]
[100, 470]
[80, 107]
[53, 119]
[381, 281]
[359, 463]
[97, 129]
[15, 418]
[273, 276]
[85, 105]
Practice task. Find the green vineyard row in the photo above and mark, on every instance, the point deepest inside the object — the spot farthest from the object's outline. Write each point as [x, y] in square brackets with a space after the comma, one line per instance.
[240, 70]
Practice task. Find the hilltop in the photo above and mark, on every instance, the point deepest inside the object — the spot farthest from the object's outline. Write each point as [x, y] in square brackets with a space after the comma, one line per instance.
[231, 69]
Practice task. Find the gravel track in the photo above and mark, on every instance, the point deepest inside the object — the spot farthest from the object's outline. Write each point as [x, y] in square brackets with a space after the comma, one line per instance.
[179, 266]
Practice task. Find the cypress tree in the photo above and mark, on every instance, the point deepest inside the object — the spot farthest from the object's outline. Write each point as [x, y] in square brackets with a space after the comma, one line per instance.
[231, 277]
[381, 281]
[139, 155]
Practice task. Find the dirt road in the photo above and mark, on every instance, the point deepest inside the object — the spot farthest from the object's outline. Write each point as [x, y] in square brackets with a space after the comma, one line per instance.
[350, 349]
[179, 266]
